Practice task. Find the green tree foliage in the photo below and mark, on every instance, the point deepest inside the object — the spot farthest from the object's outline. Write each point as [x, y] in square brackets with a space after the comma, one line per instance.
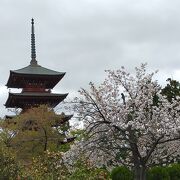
[35, 131]
[172, 89]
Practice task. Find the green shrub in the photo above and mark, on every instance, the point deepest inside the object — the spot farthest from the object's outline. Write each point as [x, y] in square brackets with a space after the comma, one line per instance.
[9, 168]
[158, 173]
[83, 170]
[174, 171]
[47, 166]
[121, 173]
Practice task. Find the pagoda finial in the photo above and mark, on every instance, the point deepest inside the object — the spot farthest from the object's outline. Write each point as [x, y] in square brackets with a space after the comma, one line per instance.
[33, 47]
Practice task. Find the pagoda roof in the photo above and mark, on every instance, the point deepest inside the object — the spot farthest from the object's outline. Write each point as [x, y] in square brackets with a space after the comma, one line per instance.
[61, 119]
[18, 78]
[22, 100]
[37, 70]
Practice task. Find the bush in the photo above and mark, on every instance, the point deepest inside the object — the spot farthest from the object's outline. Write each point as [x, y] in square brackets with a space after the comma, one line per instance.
[47, 166]
[174, 171]
[121, 173]
[9, 168]
[158, 173]
[84, 170]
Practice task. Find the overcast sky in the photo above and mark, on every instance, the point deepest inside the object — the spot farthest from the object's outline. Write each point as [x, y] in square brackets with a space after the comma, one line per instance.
[85, 37]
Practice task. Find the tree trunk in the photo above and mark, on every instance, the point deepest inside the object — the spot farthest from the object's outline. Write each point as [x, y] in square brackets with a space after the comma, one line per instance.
[139, 165]
[139, 173]
[46, 139]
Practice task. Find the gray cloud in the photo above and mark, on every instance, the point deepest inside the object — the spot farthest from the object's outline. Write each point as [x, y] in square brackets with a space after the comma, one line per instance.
[85, 37]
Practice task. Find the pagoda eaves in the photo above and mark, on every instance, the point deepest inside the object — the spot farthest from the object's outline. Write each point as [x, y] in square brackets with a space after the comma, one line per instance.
[34, 74]
[29, 99]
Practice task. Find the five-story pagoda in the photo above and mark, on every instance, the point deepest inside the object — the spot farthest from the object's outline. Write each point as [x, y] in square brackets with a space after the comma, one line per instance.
[36, 83]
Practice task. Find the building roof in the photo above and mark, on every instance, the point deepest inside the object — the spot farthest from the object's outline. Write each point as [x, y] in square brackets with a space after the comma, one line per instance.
[37, 70]
[34, 73]
[29, 99]
[61, 119]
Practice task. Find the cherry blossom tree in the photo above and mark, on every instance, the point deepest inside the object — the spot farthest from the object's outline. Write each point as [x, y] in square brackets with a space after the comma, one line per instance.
[129, 122]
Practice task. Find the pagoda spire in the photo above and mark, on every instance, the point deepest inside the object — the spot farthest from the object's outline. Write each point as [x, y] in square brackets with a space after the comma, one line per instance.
[33, 47]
